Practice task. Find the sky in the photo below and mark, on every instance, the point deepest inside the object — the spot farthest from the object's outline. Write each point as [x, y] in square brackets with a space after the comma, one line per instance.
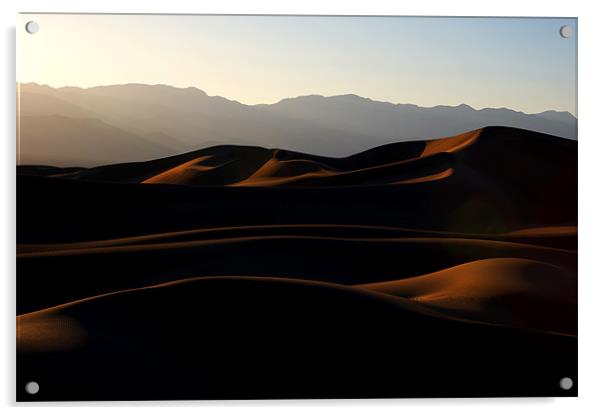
[518, 63]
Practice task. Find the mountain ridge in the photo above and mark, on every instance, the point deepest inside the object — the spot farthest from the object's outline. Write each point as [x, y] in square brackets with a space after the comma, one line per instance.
[185, 119]
[350, 95]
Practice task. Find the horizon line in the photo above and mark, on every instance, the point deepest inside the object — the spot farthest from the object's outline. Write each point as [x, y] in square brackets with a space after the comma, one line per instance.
[296, 97]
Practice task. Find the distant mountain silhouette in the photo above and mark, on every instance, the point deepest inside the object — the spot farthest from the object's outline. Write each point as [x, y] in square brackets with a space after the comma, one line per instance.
[406, 121]
[59, 140]
[152, 121]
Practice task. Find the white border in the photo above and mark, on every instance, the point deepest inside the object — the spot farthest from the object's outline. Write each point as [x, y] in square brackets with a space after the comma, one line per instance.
[590, 197]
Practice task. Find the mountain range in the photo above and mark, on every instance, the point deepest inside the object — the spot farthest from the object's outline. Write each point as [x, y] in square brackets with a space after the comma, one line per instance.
[88, 127]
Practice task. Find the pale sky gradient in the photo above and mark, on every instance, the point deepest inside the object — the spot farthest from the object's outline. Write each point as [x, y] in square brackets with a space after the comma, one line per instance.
[522, 64]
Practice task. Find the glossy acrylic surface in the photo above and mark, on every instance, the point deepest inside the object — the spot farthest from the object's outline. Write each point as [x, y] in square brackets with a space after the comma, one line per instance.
[272, 207]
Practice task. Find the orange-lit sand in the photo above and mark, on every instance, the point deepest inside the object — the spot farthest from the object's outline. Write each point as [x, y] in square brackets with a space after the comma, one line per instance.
[542, 235]
[188, 338]
[45, 331]
[426, 258]
[276, 173]
[451, 144]
[509, 291]
[306, 170]
[183, 173]
[429, 178]
[453, 243]
[67, 326]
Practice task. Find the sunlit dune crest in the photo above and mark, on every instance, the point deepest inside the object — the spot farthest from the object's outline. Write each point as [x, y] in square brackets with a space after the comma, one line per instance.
[429, 178]
[451, 144]
[510, 291]
[275, 172]
[181, 174]
[418, 162]
[464, 246]
[281, 170]
[475, 159]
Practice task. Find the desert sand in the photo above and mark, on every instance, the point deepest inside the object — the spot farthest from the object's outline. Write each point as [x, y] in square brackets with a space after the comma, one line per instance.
[428, 268]
[510, 291]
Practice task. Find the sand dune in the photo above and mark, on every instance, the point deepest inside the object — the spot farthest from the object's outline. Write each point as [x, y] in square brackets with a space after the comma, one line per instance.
[338, 259]
[437, 160]
[412, 258]
[295, 169]
[275, 172]
[242, 337]
[308, 173]
[428, 178]
[48, 332]
[183, 173]
[413, 162]
[285, 168]
[472, 183]
[451, 144]
[544, 231]
[559, 236]
[511, 291]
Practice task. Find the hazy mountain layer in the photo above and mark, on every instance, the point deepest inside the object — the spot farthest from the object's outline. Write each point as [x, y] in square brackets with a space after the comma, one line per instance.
[135, 122]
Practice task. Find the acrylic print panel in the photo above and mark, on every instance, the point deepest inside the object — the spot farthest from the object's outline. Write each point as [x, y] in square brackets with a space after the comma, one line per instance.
[257, 207]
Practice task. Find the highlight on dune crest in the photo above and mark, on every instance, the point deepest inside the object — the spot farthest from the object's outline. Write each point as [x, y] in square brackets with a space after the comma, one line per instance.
[236, 207]
[497, 290]
[284, 168]
[423, 244]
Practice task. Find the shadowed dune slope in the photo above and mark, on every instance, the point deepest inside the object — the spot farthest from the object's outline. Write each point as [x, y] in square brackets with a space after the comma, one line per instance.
[507, 156]
[431, 268]
[510, 291]
[260, 337]
[338, 259]
[515, 162]
[492, 180]
[557, 236]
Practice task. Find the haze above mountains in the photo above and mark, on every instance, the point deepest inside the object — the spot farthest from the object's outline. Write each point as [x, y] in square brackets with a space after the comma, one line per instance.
[135, 122]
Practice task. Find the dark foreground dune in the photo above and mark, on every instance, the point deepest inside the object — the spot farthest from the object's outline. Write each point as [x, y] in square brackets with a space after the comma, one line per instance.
[254, 338]
[345, 260]
[417, 269]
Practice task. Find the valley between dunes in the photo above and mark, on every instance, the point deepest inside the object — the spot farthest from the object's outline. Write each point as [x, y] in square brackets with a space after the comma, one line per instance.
[248, 272]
